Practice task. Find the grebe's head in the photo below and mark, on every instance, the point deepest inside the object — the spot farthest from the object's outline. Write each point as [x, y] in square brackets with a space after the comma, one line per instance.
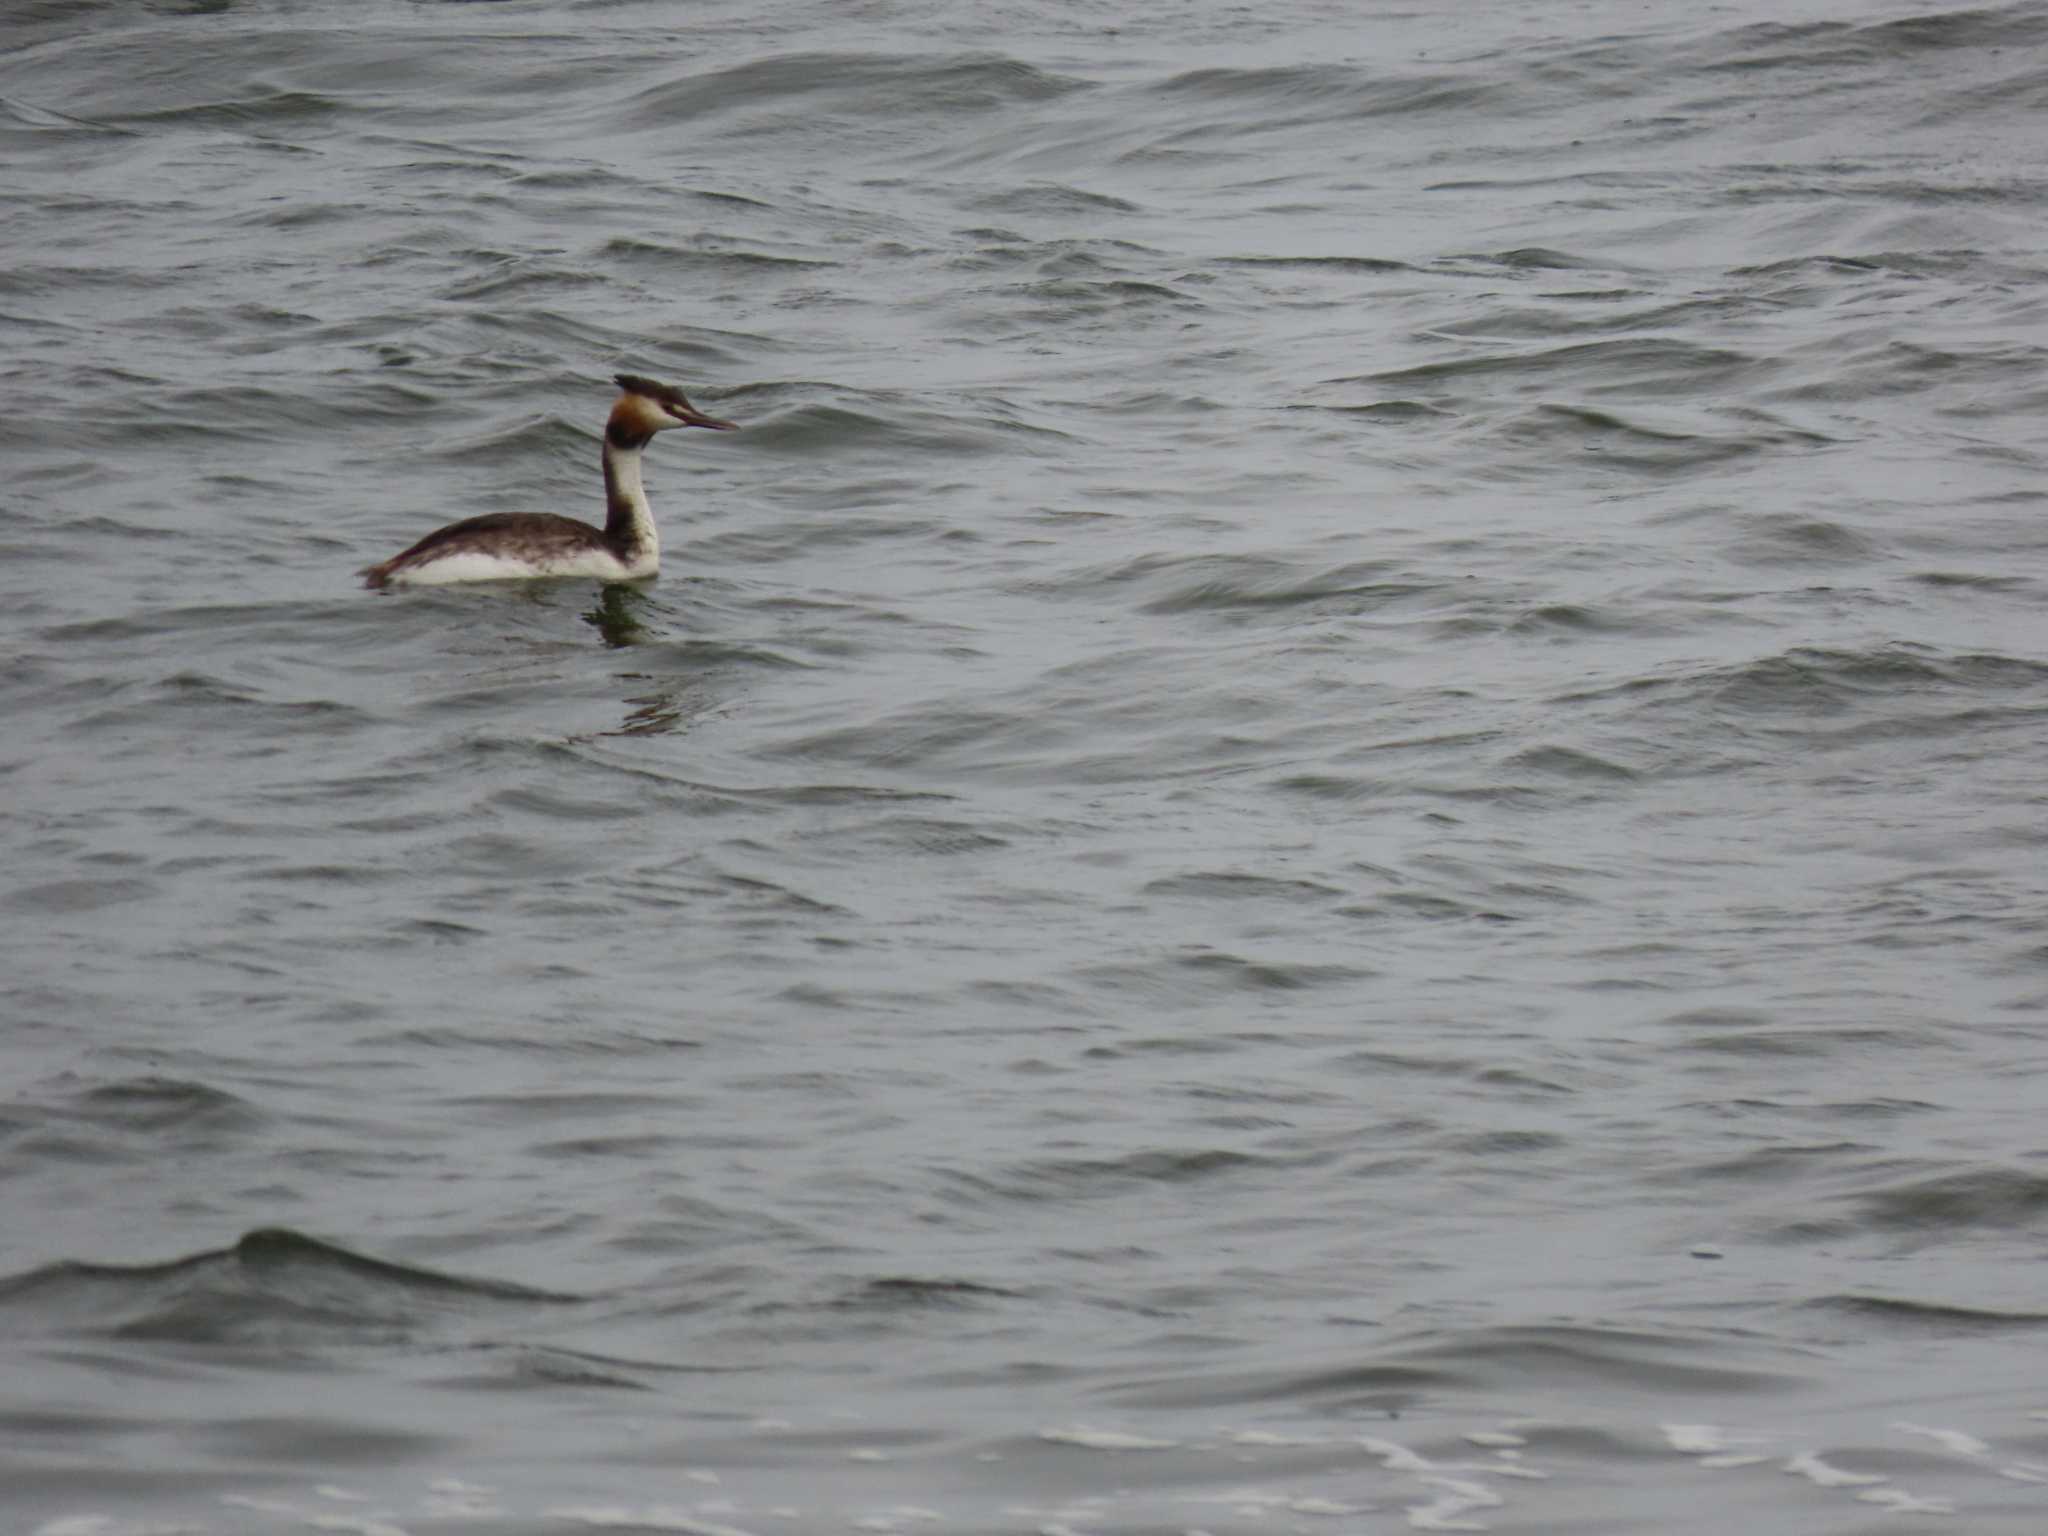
[645, 407]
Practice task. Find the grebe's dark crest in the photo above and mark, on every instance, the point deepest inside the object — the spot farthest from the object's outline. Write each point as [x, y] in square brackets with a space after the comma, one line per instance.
[515, 545]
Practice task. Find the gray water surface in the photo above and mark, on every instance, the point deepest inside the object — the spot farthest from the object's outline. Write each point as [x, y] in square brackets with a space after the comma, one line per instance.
[1334, 822]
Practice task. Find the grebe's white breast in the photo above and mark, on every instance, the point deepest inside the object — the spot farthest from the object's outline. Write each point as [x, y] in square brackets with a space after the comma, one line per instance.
[483, 565]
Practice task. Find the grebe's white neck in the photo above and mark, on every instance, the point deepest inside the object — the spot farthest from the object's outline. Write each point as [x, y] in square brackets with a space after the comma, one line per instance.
[629, 520]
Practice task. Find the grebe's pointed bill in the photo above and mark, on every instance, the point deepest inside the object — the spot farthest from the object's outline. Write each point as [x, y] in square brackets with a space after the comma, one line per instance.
[672, 404]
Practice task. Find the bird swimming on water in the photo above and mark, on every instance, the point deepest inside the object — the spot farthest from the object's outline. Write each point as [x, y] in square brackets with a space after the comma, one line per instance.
[502, 546]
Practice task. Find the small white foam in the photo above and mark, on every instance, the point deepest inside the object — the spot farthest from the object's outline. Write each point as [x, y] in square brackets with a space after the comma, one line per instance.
[1948, 1439]
[701, 1475]
[655, 1517]
[1064, 1514]
[1475, 1495]
[356, 1525]
[341, 1495]
[1694, 1439]
[2025, 1472]
[1322, 1507]
[1105, 1439]
[1900, 1502]
[1442, 1516]
[1396, 1457]
[1456, 1498]
[1733, 1459]
[1495, 1437]
[867, 1453]
[773, 1424]
[453, 1499]
[1268, 1438]
[1808, 1464]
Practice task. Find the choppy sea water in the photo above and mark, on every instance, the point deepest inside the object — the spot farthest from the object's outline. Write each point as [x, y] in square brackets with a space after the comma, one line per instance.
[1334, 822]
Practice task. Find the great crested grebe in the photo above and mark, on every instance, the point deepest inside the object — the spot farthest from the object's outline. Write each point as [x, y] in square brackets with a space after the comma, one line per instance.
[502, 546]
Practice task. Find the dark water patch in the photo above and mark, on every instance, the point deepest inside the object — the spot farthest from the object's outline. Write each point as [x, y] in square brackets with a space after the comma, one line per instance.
[702, 259]
[1577, 619]
[928, 836]
[1573, 763]
[524, 278]
[876, 424]
[1255, 583]
[927, 737]
[1401, 1374]
[131, 1122]
[40, 119]
[153, 1105]
[1975, 27]
[1063, 1180]
[1895, 1314]
[1815, 1042]
[56, 898]
[271, 109]
[855, 85]
[194, 696]
[1097, 298]
[274, 1290]
[1648, 365]
[556, 437]
[1536, 258]
[1361, 1391]
[1366, 265]
[1381, 1062]
[495, 1367]
[1655, 323]
[1198, 974]
[1389, 412]
[665, 661]
[1051, 200]
[1546, 436]
[1777, 1165]
[259, 413]
[1238, 885]
[1619, 1360]
[1995, 1199]
[572, 1036]
[1810, 681]
[1897, 368]
[908, 1293]
[1293, 95]
[1774, 539]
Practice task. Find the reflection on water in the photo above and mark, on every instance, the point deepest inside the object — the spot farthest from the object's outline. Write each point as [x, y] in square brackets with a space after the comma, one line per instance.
[615, 616]
[653, 715]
